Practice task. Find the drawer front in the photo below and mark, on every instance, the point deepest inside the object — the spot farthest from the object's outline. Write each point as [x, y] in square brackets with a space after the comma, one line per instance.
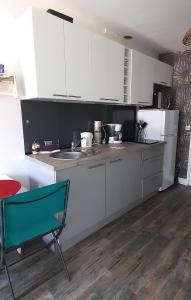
[152, 166]
[152, 152]
[150, 185]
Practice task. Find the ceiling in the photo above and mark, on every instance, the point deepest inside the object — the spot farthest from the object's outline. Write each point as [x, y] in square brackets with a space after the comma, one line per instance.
[159, 25]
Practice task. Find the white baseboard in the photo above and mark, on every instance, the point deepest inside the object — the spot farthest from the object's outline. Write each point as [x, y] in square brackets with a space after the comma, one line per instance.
[183, 181]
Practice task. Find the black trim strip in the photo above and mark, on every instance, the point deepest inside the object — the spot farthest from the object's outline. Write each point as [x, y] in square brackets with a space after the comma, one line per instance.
[60, 15]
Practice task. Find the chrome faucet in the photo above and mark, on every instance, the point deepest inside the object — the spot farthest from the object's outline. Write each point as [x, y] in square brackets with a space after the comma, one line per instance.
[75, 145]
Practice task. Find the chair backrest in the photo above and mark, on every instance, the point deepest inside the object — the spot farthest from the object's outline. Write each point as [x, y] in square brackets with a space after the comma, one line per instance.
[28, 209]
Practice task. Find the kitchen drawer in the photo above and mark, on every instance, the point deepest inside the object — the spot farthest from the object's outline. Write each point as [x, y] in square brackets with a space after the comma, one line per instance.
[152, 152]
[152, 166]
[150, 185]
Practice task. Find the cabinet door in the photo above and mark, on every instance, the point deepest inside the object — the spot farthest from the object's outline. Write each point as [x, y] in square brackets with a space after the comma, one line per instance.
[152, 166]
[100, 68]
[86, 204]
[77, 53]
[150, 185]
[48, 32]
[163, 73]
[107, 58]
[141, 79]
[123, 182]
[116, 188]
[133, 178]
[116, 71]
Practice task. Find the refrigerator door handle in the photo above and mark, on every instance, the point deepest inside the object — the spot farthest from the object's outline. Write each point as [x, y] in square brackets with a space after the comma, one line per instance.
[168, 134]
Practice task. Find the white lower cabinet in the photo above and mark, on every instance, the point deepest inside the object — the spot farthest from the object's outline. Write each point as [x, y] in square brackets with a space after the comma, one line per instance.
[98, 191]
[150, 185]
[123, 182]
[86, 204]
[104, 190]
[152, 165]
[116, 189]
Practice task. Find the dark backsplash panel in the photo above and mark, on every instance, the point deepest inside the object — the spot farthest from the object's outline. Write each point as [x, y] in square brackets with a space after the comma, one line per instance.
[55, 120]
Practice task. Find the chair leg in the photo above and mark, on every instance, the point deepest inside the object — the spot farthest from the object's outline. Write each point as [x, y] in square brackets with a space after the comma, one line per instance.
[9, 281]
[2, 259]
[62, 258]
[1, 265]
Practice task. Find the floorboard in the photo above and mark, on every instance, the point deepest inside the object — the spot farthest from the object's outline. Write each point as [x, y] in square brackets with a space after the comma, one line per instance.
[143, 255]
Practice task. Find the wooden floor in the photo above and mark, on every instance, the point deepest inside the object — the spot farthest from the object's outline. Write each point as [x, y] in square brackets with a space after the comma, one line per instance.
[146, 254]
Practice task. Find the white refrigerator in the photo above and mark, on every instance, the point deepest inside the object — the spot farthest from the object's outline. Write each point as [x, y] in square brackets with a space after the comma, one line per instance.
[163, 126]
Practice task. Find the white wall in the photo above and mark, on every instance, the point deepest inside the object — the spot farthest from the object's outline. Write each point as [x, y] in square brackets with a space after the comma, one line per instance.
[11, 134]
[12, 153]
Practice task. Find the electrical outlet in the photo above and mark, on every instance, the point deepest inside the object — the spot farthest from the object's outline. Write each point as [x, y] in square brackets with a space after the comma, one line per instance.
[188, 127]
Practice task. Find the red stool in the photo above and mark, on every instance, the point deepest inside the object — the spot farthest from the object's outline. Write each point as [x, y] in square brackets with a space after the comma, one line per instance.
[9, 187]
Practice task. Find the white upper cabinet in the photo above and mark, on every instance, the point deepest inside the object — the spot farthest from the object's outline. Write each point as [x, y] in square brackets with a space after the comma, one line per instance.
[77, 55]
[107, 59]
[142, 72]
[42, 54]
[163, 73]
[116, 71]
[100, 67]
[63, 61]
[60, 60]
[140, 79]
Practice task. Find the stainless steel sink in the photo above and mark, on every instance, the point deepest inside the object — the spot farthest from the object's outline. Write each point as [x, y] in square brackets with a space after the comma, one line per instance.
[69, 155]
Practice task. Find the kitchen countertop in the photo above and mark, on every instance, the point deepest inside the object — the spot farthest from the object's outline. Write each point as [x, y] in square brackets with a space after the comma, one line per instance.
[103, 152]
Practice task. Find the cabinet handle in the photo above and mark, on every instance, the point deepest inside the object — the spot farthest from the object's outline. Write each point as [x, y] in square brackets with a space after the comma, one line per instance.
[67, 96]
[107, 99]
[143, 102]
[73, 96]
[155, 159]
[156, 150]
[115, 160]
[163, 82]
[59, 95]
[96, 166]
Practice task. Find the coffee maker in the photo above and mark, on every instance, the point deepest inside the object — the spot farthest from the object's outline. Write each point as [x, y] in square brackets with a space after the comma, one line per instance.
[113, 133]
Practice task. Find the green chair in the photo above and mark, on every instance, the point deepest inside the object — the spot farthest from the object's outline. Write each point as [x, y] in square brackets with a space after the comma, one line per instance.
[30, 215]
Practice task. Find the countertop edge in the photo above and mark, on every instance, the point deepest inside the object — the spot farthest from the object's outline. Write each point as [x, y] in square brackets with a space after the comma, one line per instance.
[117, 151]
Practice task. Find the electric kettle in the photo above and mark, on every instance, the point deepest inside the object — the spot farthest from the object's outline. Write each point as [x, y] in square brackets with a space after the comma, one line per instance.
[86, 139]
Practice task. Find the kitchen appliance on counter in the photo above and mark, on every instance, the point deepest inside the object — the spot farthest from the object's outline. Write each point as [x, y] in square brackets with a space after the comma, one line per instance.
[86, 139]
[140, 126]
[97, 132]
[157, 98]
[163, 126]
[35, 147]
[113, 133]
